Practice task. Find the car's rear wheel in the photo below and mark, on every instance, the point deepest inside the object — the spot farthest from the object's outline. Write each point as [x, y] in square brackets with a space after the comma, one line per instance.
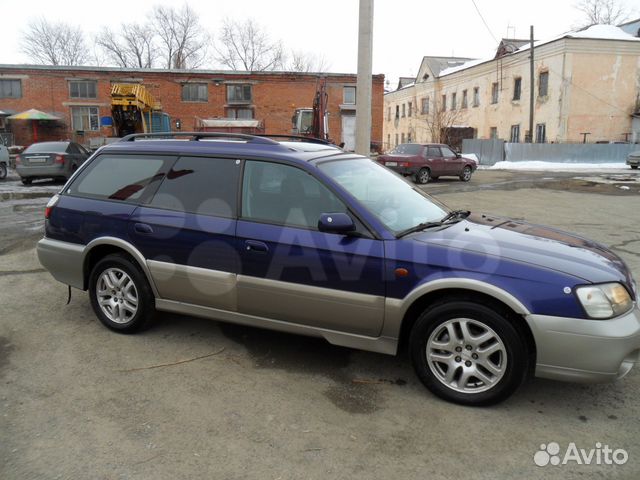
[465, 176]
[27, 180]
[3, 171]
[120, 295]
[467, 353]
[423, 176]
[635, 167]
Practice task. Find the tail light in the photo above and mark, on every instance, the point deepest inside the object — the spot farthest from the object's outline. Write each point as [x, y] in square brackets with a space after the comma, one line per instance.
[50, 204]
[403, 164]
[18, 160]
[59, 159]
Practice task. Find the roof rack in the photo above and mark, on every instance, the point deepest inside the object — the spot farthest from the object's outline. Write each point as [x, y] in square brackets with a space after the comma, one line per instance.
[200, 135]
[298, 138]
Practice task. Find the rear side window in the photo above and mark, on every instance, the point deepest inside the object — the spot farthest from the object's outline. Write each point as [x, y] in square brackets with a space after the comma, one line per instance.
[119, 177]
[206, 186]
[408, 149]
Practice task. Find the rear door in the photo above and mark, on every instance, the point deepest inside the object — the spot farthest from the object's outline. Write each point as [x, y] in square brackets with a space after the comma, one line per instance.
[187, 232]
[434, 160]
[292, 272]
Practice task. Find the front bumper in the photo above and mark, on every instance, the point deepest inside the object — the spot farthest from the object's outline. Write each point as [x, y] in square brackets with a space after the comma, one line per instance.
[580, 350]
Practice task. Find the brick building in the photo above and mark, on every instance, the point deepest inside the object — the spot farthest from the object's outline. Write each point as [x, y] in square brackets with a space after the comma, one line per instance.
[80, 97]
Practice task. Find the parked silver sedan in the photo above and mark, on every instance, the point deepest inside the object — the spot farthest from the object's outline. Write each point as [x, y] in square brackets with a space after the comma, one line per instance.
[50, 160]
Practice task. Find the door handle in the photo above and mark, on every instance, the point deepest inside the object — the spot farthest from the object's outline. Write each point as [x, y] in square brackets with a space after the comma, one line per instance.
[256, 246]
[143, 228]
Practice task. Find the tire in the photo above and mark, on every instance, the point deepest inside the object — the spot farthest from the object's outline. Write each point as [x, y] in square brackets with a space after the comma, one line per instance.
[499, 374]
[27, 181]
[465, 176]
[423, 176]
[3, 171]
[635, 167]
[120, 294]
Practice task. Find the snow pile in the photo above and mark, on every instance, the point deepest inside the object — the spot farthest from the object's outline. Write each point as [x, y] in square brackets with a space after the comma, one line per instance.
[604, 32]
[464, 66]
[556, 166]
[472, 156]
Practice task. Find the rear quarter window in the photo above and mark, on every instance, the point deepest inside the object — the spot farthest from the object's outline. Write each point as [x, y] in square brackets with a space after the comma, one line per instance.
[120, 177]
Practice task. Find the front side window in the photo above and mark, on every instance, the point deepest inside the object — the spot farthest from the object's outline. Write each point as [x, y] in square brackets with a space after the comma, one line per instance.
[393, 201]
[447, 152]
[10, 88]
[82, 89]
[349, 95]
[118, 177]
[285, 195]
[433, 152]
[195, 92]
[200, 185]
[85, 118]
[239, 93]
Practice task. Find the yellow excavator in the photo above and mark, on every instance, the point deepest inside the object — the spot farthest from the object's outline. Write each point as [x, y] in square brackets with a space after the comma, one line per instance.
[135, 110]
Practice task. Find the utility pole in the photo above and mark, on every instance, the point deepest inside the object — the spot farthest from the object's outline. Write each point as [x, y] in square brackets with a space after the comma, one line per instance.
[531, 88]
[363, 89]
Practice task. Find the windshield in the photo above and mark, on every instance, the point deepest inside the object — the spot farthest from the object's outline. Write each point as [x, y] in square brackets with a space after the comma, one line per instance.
[48, 147]
[397, 204]
[407, 149]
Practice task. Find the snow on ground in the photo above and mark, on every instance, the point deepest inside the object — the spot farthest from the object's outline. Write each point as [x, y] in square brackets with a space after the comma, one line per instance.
[555, 166]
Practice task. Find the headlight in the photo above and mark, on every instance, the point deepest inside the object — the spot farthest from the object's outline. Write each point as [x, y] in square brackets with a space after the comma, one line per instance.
[604, 301]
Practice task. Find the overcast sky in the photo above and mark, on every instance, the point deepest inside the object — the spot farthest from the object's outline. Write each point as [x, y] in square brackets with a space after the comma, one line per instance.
[404, 30]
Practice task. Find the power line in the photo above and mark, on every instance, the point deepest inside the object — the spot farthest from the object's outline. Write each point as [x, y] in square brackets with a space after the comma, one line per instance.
[484, 21]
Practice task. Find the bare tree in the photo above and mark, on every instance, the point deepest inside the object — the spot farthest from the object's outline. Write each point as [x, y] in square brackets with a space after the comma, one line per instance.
[54, 43]
[132, 47]
[182, 38]
[306, 62]
[246, 46]
[602, 12]
[437, 123]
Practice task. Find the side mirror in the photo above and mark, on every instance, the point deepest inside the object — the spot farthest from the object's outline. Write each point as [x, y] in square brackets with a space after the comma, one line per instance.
[336, 223]
[458, 155]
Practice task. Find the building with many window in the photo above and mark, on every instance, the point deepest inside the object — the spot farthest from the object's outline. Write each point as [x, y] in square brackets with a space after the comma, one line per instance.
[81, 98]
[586, 85]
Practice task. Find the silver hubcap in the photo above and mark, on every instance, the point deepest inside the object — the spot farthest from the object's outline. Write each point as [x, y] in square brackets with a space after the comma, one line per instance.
[466, 355]
[466, 174]
[117, 295]
[424, 176]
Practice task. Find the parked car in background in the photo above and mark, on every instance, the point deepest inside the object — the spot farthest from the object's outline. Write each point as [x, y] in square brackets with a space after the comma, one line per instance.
[4, 162]
[311, 240]
[633, 160]
[428, 161]
[56, 160]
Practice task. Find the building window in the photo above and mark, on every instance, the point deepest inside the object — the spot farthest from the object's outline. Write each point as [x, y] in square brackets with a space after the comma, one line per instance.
[493, 133]
[402, 137]
[425, 106]
[388, 113]
[444, 102]
[454, 100]
[410, 109]
[239, 93]
[396, 139]
[494, 92]
[541, 133]
[517, 88]
[195, 92]
[404, 110]
[543, 84]
[464, 99]
[476, 96]
[515, 133]
[388, 140]
[409, 137]
[84, 119]
[397, 112]
[10, 88]
[240, 113]
[82, 89]
[349, 95]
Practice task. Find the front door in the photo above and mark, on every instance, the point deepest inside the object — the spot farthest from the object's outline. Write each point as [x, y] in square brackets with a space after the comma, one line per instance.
[349, 132]
[294, 273]
[452, 163]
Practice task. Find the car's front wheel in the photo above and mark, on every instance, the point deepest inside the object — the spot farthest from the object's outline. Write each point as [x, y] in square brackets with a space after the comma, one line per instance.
[635, 167]
[120, 295]
[3, 171]
[465, 176]
[423, 176]
[467, 353]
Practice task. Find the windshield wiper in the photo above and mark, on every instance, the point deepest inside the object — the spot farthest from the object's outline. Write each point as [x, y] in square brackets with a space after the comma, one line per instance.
[456, 215]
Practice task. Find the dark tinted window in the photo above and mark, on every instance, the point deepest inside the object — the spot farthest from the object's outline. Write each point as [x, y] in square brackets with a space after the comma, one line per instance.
[285, 195]
[119, 177]
[447, 152]
[205, 186]
[408, 149]
[48, 147]
[72, 148]
[433, 152]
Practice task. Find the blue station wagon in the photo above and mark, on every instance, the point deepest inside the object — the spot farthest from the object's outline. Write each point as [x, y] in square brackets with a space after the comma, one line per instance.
[305, 238]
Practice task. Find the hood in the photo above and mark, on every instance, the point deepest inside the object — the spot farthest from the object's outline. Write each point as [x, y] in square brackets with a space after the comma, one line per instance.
[536, 245]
